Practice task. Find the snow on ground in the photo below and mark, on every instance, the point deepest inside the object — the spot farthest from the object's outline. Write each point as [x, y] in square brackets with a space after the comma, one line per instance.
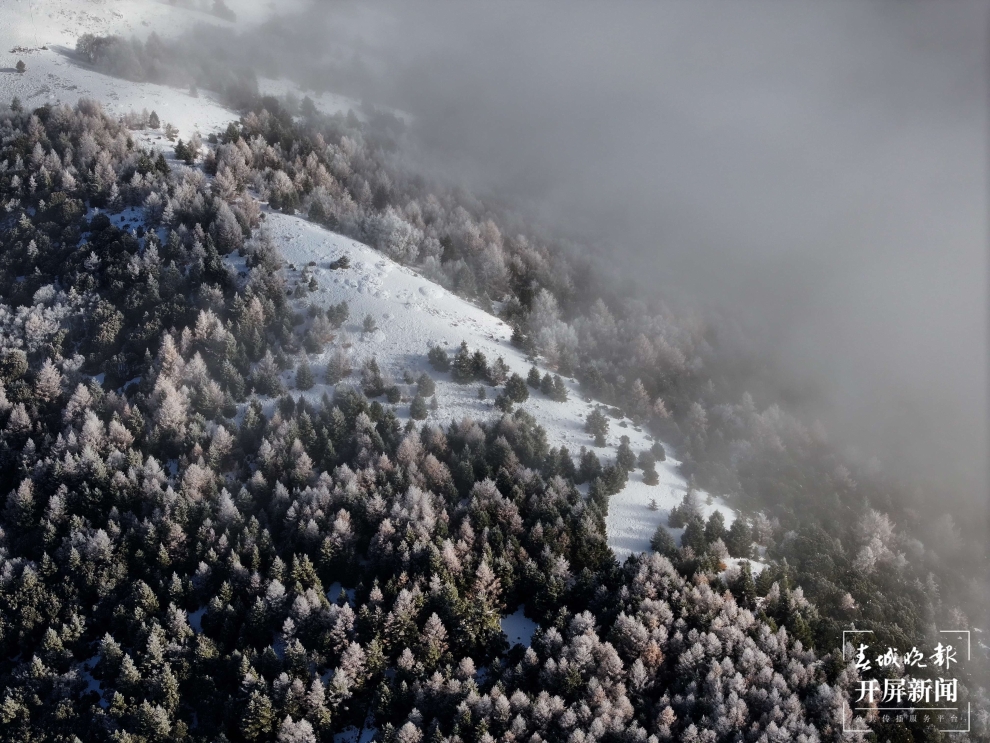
[333, 593]
[519, 628]
[196, 620]
[43, 34]
[413, 313]
[351, 734]
[85, 671]
[54, 77]
[34, 23]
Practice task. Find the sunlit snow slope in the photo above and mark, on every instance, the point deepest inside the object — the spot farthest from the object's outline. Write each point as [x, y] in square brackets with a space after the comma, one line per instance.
[411, 311]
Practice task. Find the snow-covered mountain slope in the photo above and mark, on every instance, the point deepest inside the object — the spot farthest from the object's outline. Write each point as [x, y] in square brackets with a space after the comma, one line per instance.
[43, 34]
[412, 313]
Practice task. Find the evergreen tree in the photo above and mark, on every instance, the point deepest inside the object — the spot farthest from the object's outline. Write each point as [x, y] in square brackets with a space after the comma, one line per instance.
[715, 528]
[650, 476]
[479, 366]
[624, 455]
[533, 378]
[462, 370]
[546, 385]
[597, 425]
[589, 467]
[744, 587]
[515, 389]
[259, 717]
[739, 539]
[372, 381]
[438, 359]
[153, 121]
[337, 314]
[338, 366]
[694, 535]
[417, 410]
[304, 376]
[663, 542]
[658, 451]
[21, 67]
[425, 385]
[498, 372]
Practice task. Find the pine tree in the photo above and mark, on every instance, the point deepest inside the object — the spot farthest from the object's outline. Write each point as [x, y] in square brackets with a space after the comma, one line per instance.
[744, 587]
[597, 425]
[624, 457]
[658, 451]
[479, 366]
[258, 718]
[304, 376]
[663, 542]
[515, 389]
[559, 393]
[21, 67]
[153, 121]
[337, 314]
[694, 535]
[371, 378]
[498, 372]
[369, 324]
[417, 410]
[338, 366]
[546, 385]
[533, 378]
[650, 476]
[463, 367]
[438, 359]
[715, 528]
[589, 467]
[739, 539]
[425, 386]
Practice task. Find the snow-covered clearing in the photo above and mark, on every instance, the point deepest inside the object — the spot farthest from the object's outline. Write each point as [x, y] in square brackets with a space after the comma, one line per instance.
[412, 313]
[519, 628]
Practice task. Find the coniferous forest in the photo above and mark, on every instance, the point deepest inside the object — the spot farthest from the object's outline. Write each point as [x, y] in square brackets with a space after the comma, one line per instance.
[191, 550]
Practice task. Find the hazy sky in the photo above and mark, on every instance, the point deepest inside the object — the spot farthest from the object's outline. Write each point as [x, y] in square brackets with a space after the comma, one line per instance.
[814, 169]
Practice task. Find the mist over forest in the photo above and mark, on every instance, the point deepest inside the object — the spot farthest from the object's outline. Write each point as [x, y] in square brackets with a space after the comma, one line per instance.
[531, 372]
[813, 175]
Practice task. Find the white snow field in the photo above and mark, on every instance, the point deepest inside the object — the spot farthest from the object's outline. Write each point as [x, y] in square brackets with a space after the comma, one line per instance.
[411, 311]
[519, 628]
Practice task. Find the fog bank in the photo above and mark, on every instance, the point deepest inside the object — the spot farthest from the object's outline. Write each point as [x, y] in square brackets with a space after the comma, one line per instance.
[814, 171]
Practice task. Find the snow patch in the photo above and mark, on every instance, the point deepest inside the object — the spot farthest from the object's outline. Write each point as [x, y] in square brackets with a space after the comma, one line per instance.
[519, 628]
